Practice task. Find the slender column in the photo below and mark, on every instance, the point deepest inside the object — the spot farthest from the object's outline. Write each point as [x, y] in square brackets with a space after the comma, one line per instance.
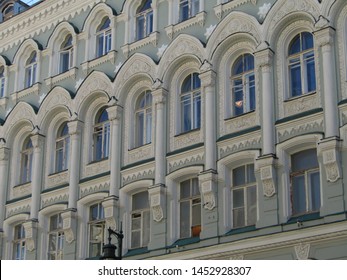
[75, 128]
[325, 39]
[208, 78]
[264, 61]
[37, 171]
[114, 115]
[159, 95]
[4, 161]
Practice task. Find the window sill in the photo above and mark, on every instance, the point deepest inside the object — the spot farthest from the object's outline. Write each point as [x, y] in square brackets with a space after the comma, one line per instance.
[109, 57]
[198, 19]
[241, 230]
[139, 153]
[239, 123]
[34, 89]
[71, 73]
[187, 132]
[300, 96]
[300, 104]
[151, 39]
[58, 178]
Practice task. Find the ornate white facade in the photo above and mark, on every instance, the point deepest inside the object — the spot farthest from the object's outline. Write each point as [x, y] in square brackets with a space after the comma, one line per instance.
[220, 135]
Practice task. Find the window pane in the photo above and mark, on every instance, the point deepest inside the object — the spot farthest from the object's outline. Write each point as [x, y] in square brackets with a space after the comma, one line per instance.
[185, 189]
[238, 198]
[140, 128]
[239, 217]
[298, 194]
[251, 205]
[250, 173]
[135, 239]
[295, 45]
[146, 228]
[100, 47]
[184, 10]
[184, 219]
[195, 7]
[307, 41]
[140, 200]
[140, 27]
[310, 72]
[196, 212]
[304, 160]
[238, 97]
[197, 111]
[148, 126]
[195, 187]
[295, 79]
[251, 92]
[149, 24]
[186, 113]
[136, 222]
[315, 191]
[248, 62]
[239, 176]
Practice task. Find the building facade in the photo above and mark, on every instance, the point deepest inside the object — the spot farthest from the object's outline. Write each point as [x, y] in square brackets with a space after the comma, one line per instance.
[204, 129]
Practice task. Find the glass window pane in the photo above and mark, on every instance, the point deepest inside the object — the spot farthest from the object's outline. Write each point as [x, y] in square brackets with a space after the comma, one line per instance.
[184, 10]
[185, 219]
[187, 84]
[195, 187]
[148, 127]
[238, 198]
[185, 189]
[251, 90]
[307, 41]
[311, 74]
[197, 111]
[239, 176]
[295, 80]
[136, 239]
[140, 200]
[304, 160]
[196, 212]
[250, 173]
[315, 191]
[140, 27]
[239, 217]
[251, 205]
[298, 194]
[295, 45]
[146, 228]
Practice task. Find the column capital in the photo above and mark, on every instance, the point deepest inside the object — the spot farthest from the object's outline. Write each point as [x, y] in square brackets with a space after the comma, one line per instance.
[264, 56]
[114, 112]
[207, 75]
[160, 95]
[37, 140]
[4, 153]
[75, 127]
[157, 201]
[30, 228]
[266, 166]
[325, 36]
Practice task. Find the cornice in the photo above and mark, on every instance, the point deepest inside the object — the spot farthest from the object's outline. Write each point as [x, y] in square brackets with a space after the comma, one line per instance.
[40, 18]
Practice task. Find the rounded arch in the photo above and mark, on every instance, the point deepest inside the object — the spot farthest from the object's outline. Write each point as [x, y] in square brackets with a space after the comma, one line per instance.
[333, 10]
[137, 67]
[25, 49]
[97, 84]
[22, 115]
[58, 100]
[284, 13]
[235, 25]
[182, 48]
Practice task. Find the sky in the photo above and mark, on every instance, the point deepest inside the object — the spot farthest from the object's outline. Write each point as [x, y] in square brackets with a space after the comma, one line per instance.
[30, 2]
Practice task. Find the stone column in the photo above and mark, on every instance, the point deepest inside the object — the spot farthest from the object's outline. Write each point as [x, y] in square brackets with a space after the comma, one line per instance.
[264, 62]
[157, 193]
[75, 129]
[4, 161]
[325, 40]
[37, 173]
[114, 115]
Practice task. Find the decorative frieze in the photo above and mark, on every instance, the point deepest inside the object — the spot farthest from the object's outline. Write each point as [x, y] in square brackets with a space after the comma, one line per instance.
[187, 160]
[71, 73]
[89, 65]
[24, 207]
[252, 142]
[57, 179]
[22, 190]
[301, 104]
[187, 139]
[33, 90]
[94, 188]
[138, 175]
[95, 168]
[240, 123]
[54, 199]
[151, 39]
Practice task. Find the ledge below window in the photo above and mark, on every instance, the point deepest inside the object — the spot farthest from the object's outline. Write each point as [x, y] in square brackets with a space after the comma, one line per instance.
[21, 190]
[71, 73]
[150, 39]
[198, 19]
[57, 179]
[34, 89]
[109, 57]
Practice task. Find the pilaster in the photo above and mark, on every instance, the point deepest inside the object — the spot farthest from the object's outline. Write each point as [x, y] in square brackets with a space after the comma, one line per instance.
[31, 230]
[69, 217]
[4, 161]
[111, 210]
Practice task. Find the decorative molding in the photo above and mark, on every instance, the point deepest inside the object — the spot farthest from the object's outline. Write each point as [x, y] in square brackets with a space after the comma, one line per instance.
[140, 153]
[302, 104]
[151, 39]
[17, 209]
[198, 19]
[22, 190]
[222, 9]
[266, 166]
[57, 179]
[137, 175]
[95, 188]
[33, 90]
[330, 149]
[95, 168]
[187, 160]
[240, 123]
[208, 183]
[252, 142]
[157, 202]
[111, 206]
[237, 258]
[89, 65]
[71, 73]
[69, 224]
[187, 139]
[302, 251]
[55, 198]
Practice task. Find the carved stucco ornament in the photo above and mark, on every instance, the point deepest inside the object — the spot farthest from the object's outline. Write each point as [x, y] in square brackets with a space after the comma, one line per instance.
[331, 166]
[30, 229]
[267, 178]
[69, 225]
[302, 251]
[157, 209]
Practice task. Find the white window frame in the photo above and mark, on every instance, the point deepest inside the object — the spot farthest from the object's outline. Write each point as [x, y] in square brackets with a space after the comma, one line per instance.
[147, 112]
[245, 87]
[193, 7]
[148, 22]
[30, 76]
[194, 200]
[2, 81]
[66, 50]
[64, 141]
[105, 34]
[20, 242]
[244, 188]
[192, 98]
[56, 231]
[308, 186]
[99, 222]
[27, 154]
[103, 129]
[140, 214]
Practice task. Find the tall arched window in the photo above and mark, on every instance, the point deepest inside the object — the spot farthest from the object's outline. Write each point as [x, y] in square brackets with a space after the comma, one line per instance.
[101, 135]
[144, 19]
[96, 227]
[143, 117]
[140, 220]
[62, 146]
[301, 62]
[56, 238]
[190, 103]
[19, 243]
[66, 54]
[26, 161]
[103, 37]
[188, 8]
[2, 81]
[30, 70]
[243, 85]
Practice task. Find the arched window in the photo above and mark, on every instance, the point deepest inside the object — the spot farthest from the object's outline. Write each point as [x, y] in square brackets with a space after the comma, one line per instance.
[301, 62]
[103, 37]
[190, 208]
[140, 220]
[26, 161]
[30, 70]
[62, 145]
[190, 103]
[19, 243]
[2, 81]
[8, 12]
[143, 117]
[101, 135]
[144, 19]
[66, 54]
[188, 9]
[243, 85]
